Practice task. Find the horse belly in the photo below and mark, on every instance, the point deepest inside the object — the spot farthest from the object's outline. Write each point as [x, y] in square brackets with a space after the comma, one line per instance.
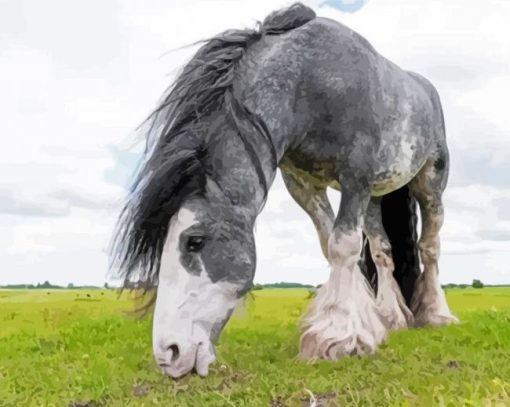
[407, 160]
[391, 182]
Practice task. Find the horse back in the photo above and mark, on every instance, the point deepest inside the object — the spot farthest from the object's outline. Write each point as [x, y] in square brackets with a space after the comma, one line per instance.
[347, 107]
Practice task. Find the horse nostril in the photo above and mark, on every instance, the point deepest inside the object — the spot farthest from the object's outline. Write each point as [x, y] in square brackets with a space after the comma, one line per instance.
[175, 352]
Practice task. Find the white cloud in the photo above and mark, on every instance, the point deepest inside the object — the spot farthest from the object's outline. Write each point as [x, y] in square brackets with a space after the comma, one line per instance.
[473, 220]
[492, 91]
[77, 81]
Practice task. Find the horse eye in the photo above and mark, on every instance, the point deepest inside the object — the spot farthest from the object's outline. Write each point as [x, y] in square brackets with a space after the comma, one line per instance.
[195, 243]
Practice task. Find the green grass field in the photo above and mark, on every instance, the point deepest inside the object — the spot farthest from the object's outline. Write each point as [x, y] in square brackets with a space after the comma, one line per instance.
[63, 348]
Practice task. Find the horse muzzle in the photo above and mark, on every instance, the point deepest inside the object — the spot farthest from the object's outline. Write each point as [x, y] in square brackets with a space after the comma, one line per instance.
[179, 356]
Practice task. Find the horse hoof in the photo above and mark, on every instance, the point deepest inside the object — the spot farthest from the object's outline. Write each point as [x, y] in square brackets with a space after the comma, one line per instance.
[314, 347]
[396, 318]
[435, 320]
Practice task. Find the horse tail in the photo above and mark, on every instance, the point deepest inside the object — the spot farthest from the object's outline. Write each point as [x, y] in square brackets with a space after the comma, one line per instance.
[399, 219]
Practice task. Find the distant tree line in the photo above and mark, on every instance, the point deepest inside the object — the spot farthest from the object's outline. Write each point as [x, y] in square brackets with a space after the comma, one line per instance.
[48, 285]
[475, 284]
[281, 285]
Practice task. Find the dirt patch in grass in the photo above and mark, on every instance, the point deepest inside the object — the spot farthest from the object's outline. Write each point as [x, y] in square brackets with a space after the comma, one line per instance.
[140, 390]
[453, 364]
[90, 403]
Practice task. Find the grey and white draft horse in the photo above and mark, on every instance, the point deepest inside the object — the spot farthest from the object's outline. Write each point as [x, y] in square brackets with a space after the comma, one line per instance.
[309, 96]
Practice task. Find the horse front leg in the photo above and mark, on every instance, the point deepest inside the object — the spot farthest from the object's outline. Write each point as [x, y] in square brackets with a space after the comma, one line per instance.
[314, 201]
[343, 318]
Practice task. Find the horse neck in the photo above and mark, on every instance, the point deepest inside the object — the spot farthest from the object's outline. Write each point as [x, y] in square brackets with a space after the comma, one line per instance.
[235, 168]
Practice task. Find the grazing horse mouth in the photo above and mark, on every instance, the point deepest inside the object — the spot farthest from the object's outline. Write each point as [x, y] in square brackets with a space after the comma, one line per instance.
[170, 362]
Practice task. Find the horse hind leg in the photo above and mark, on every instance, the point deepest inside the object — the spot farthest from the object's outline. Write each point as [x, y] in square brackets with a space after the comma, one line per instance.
[429, 303]
[390, 303]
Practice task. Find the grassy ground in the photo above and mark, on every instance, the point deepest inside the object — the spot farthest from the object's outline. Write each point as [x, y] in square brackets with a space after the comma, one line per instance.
[79, 348]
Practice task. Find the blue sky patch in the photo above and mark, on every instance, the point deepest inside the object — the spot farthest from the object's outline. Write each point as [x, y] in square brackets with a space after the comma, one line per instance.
[348, 6]
[125, 165]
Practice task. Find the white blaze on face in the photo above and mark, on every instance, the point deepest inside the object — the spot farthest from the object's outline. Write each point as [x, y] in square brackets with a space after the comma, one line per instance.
[187, 307]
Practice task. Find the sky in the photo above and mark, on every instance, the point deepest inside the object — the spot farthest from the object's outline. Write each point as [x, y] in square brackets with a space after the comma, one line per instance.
[78, 77]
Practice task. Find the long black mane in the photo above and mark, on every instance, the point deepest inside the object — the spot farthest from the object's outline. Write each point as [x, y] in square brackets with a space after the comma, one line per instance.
[173, 164]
